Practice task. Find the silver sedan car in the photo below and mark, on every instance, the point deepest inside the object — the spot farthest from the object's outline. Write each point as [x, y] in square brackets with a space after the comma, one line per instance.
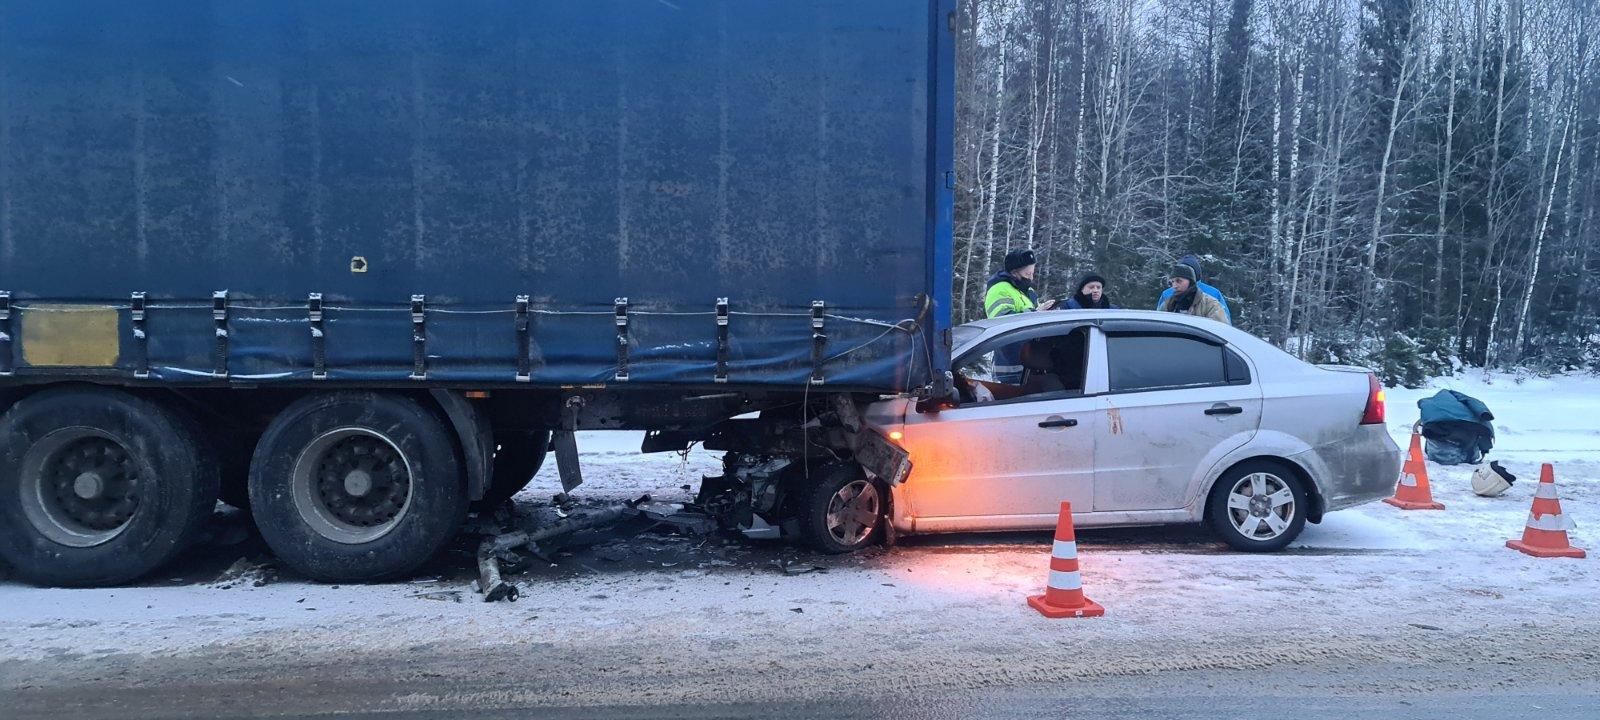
[1138, 418]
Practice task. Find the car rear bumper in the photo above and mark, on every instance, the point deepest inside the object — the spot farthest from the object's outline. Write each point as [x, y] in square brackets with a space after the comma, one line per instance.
[1357, 469]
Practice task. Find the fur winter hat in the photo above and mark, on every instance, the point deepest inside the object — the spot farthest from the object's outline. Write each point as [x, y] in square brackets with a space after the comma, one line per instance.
[1018, 259]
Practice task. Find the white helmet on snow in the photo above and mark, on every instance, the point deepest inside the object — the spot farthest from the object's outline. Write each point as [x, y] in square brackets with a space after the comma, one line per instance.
[1490, 480]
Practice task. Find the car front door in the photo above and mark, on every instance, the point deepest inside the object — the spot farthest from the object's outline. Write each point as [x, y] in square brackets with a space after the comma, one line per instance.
[1177, 402]
[1006, 464]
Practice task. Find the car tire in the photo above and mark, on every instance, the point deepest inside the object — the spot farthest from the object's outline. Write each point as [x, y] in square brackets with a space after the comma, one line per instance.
[842, 510]
[356, 486]
[517, 458]
[1253, 525]
[100, 487]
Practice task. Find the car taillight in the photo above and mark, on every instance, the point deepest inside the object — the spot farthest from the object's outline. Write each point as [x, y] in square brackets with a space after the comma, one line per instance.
[1375, 402]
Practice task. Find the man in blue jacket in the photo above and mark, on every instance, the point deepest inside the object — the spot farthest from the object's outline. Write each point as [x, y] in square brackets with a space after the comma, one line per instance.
[1194, 262]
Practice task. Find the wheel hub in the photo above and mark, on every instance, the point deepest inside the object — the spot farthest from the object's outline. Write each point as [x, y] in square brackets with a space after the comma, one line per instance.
[853, 512]
[362, 481]
[358, 483]
[88, 486]
[352, 485]
[1259, 506]
[81, 487]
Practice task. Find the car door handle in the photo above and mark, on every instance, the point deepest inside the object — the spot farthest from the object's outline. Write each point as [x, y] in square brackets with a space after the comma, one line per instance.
[1059, 422]
[1224, 410]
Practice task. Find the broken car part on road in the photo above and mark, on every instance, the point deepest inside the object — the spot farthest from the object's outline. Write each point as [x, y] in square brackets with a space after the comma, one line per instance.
[500, 547]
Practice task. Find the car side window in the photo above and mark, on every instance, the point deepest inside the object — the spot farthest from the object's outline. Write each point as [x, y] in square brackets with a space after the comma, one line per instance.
[1153, 361]
[1048, 366]
[1237, 369]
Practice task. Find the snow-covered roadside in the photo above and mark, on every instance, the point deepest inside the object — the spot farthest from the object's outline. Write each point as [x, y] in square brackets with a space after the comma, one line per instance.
[1537, 420]
[1369, 584]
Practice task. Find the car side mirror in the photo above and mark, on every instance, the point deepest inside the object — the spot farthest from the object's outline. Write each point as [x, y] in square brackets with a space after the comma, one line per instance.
[934, 404]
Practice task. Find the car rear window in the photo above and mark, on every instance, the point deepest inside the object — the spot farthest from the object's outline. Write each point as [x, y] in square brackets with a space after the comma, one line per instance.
[1149, 362]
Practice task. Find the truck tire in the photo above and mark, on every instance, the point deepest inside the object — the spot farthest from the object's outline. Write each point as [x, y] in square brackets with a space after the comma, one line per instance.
[356, 486]
[842, 510]
[99, 487]
[1258, 506]
[517, 458]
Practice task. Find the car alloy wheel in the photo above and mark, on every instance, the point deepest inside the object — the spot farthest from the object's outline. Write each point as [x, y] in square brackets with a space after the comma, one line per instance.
[853, 512]
[1261, 506]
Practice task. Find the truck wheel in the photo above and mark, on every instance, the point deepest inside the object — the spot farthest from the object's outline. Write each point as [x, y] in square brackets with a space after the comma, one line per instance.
[356, 486]
[517, 458]
[1258, 506]
[99, 487]
[843, 510]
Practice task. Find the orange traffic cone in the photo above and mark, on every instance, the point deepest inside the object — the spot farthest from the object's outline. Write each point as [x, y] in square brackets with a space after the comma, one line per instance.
[1546, 533]
[1063, 593]
[1413, 493]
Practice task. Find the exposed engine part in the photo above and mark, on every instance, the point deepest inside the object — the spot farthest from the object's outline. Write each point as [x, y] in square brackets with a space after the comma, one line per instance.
[748, 496]
[763, 478]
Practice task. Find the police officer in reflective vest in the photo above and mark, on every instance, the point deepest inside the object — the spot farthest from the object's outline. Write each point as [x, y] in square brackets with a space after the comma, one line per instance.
[1011, 292]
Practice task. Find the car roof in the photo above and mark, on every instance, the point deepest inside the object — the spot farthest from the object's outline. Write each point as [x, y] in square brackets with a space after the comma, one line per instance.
[1019, 320]
[990, 327]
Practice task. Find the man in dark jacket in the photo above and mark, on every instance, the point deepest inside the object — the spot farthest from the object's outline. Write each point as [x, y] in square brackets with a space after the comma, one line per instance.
[1090, 295]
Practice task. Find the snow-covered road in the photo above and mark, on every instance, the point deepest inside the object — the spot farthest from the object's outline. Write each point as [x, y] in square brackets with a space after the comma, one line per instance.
[1372, 601]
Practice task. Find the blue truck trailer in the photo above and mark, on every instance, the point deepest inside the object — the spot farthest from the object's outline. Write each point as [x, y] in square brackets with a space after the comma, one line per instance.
[355, 266]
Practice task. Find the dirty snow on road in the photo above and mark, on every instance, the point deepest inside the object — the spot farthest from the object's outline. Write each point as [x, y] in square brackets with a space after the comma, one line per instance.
[650, 619]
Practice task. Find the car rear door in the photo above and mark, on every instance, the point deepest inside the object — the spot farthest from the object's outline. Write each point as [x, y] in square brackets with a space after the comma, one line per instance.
[1178, 400]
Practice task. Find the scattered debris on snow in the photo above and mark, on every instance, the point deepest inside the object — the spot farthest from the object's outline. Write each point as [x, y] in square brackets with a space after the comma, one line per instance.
[245, 572]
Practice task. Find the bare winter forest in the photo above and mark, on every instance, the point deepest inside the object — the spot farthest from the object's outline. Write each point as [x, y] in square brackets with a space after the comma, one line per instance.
[1402, 183]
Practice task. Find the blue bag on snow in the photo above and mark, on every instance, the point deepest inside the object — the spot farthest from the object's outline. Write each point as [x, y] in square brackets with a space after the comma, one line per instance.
[1457, 428]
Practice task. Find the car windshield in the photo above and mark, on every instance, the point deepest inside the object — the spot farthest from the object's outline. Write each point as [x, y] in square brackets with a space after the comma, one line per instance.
[964, 334]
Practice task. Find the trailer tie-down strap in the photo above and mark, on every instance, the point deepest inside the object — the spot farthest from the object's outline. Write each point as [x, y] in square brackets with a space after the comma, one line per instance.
[524, 369]
[5, 333]
[722, 340]
[419, 337]
[137, 317]
[319, 354]
[219, 315]
[622, 339]
[819, 341]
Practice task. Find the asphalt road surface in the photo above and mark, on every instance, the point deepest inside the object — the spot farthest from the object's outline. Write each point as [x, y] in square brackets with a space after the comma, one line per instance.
[1304, 693]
